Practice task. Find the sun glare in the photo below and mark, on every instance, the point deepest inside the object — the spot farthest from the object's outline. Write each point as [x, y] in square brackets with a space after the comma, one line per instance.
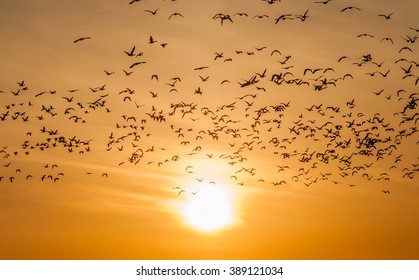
[210, 209]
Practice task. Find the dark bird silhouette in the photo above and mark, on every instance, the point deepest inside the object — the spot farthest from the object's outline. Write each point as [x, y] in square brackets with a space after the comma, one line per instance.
[151, 40]
[175, 14]
[127, 73]
[350, 8]
[81, 39]
[271, 1]
[201, 68]
[131, 53]
[283, 17]
[260, 49]
[323, 2]
[218, 55]
[365, 35]
[222, 17]
[302, 17]
[377, 64]
[198, 91]
[109, 73]
[379, 92]
[69, 99]
[386, 16]
[137, 63]
[275, 51]
[261, 16]
[343, 57]
[204, 79]
[405, 48]
[241, 14]
[407, 70]
[387, 39]
[152, 12]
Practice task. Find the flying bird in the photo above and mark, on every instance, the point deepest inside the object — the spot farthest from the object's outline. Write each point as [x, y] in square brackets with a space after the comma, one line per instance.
[222, 17]
[350, 8]
[131, 53]
[152, 12]
[283, 17]
[175, 14]
[386, 16]
[151, 40]
[241, 14]
[322, 2]
[137, 63]
[108, 73]
[81, 39]
[302, 17]
[261, 16]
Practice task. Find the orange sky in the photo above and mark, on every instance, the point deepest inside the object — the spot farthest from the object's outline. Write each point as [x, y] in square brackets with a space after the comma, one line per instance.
[121, 155]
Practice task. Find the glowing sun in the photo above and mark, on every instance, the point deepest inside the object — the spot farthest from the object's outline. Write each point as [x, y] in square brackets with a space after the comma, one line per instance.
[210, 209]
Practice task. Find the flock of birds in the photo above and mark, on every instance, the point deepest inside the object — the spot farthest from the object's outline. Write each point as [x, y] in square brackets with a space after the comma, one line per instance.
[323, 142]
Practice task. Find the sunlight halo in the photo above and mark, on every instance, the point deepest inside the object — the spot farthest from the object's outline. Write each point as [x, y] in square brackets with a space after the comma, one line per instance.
[210, 209]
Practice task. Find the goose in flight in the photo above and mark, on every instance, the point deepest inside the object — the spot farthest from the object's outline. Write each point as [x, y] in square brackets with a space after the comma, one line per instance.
[271, 1]
[260, 16]
[151, 40]
[386, 16]
[108, 73]
[127, 73]
[387, 39]
[283, 17]
[223, 17]
[302, 17]
[81, 39]
[131, 53]
[323, 2]
[201, 68]
[152, 12]
[175, 14]
[137, 63]
[350, 8]
[241, 14]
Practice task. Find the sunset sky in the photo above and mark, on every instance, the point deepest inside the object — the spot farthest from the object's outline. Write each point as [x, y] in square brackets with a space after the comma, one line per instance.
[209, 129]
